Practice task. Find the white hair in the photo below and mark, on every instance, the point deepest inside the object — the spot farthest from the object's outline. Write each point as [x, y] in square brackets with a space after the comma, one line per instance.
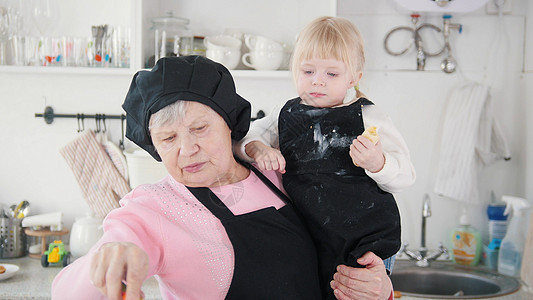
[167, 114]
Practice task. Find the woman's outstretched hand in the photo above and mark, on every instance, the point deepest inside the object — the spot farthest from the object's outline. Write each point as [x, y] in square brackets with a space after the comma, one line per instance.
[115, 262]
[370, 282]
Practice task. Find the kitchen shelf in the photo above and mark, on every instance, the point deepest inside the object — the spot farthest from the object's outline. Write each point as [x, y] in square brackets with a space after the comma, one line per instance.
[257, 74]
[66, 70]
[260, 18]
[260, 74]
[129, 71]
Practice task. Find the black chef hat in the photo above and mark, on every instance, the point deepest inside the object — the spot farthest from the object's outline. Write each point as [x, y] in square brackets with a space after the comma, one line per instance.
[190, 78]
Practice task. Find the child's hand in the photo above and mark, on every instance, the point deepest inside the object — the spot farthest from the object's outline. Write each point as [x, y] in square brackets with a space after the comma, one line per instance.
[267, 158]
[366, 155]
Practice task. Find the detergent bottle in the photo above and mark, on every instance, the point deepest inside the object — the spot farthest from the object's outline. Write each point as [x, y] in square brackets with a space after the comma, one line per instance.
[497, 219]
[512, 247]
[466, 242]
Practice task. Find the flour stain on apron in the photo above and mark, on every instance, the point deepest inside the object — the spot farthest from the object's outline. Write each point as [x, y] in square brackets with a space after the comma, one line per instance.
[324, 142]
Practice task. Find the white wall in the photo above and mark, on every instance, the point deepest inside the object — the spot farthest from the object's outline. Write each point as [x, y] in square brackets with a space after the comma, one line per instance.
[416, 101]
[31, 167]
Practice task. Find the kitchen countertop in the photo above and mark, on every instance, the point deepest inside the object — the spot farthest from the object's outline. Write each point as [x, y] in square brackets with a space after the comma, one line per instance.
[523, 293]
[32, 281]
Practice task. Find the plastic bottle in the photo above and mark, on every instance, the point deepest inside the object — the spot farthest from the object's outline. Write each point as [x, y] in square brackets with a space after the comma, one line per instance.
[512, 247]
[466, 243]
[497, 219]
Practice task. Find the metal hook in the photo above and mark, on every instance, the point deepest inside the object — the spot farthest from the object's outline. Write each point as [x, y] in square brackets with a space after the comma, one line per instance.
[82, 117]
[121, 142]
[97, 122]
[78, 116]
[103, 120]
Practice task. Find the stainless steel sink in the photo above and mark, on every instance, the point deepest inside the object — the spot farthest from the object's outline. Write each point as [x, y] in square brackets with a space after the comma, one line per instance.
[443, 280]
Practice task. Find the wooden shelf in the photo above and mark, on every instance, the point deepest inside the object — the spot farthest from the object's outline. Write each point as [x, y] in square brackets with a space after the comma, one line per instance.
[43, 234]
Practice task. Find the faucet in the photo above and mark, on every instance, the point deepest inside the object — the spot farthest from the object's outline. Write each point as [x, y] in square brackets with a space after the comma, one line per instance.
[423, 256]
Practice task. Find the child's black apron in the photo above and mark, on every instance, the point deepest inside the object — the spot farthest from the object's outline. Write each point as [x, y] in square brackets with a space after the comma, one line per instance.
[345, 210]
[274, 255]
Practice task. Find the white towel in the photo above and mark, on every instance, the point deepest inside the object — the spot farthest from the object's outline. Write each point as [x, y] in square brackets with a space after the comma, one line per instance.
[471, 139]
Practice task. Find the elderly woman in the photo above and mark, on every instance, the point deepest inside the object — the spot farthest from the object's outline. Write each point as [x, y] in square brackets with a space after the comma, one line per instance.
[214, 228]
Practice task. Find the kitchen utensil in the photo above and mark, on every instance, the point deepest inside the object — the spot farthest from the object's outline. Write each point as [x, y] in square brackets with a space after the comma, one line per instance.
[4, 211]
[85, 233]
[12, 210]
[17, 208]
[22, 209]
[12, 238]
[99, 33]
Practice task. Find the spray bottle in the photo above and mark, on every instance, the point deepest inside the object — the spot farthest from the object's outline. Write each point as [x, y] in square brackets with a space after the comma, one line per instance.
[512, 247]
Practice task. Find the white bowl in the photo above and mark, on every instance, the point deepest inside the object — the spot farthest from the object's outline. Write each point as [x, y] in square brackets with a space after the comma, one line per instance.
[222, 42]
[230, 58]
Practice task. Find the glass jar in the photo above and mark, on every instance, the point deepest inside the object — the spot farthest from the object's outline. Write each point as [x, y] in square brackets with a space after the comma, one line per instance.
[171, 36]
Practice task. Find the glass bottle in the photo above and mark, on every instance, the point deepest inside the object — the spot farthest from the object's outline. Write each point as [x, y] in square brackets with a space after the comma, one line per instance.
[171, 36]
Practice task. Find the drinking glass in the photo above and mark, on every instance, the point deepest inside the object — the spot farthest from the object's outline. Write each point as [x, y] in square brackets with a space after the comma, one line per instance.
[4, 34]
[45, 14]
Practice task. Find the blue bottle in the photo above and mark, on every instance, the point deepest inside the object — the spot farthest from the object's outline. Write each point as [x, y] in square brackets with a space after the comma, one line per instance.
[497, 219]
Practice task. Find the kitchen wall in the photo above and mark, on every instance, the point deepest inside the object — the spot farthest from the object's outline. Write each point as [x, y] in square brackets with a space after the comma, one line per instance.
[31, 167]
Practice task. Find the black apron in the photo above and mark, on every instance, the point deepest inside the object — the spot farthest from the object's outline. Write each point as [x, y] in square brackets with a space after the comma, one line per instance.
[274, 255]
[345, 210]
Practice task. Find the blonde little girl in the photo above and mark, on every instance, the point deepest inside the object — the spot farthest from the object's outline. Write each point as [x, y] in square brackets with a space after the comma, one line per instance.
[339, 180]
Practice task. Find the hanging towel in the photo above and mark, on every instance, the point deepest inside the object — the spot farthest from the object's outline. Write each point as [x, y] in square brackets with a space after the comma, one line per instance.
[101, 183]
[471, 139]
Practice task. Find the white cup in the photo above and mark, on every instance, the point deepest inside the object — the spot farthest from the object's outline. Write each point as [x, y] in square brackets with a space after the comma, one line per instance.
[261, 43]
[222, 42]
[263, 60]
[229, 57]
[234, 32]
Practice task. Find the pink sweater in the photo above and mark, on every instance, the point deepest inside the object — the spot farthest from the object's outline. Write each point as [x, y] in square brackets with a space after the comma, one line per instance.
[189, 251]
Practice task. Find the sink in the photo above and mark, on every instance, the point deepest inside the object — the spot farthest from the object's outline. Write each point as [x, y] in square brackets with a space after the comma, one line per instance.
[444, 280]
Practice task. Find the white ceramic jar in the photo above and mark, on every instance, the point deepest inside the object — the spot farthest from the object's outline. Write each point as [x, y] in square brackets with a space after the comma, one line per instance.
[85, 233]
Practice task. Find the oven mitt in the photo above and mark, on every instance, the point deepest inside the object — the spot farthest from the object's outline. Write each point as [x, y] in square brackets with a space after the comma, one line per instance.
[101, 183]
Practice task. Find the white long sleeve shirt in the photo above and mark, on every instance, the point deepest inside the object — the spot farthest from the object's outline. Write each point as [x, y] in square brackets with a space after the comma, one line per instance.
[398, 172]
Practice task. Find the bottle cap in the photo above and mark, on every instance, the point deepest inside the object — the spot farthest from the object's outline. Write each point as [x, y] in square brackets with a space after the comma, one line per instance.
[464, 218]
[495, 244]
[496, 212]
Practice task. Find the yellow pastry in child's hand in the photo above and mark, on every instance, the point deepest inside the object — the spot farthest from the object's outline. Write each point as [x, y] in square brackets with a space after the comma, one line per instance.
[2, 269]
[371, 133]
